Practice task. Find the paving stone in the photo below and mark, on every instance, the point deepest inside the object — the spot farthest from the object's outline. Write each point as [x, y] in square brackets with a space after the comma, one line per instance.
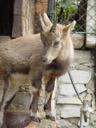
[45, 123]
[68, 90]
[64, 124]
[80, 77]
[68, 100]
[70, 111]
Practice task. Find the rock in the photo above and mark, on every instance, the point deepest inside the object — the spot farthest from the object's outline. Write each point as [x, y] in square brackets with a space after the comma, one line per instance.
[23, 120]
[68, 100]
[68, 90]
[78, 40]
[17, 119]
[80, 77]
[64, 124]
[70, 111]
[21, 102]
[32, 125]
[45, 123]
[74, 121]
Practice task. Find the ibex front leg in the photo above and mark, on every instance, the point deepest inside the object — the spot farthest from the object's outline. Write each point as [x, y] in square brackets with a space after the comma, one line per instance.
[36, 88]
[49, 91]
[9, 91]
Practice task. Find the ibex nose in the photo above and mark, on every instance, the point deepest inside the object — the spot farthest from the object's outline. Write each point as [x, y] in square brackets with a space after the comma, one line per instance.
[44, 59]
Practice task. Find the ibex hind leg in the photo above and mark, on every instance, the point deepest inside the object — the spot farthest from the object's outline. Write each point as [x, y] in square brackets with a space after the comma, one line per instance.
[4, 84]
[8, 98]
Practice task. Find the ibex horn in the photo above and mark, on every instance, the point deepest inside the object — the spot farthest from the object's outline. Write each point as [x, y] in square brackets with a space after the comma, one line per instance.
[42, 22]
[53, 28]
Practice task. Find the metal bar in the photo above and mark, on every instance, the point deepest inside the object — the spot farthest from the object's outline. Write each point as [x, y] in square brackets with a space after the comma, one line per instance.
[50, 9]
[55, 9]
[84, 33]
[73, 83]
[70, 76]
[95, 73]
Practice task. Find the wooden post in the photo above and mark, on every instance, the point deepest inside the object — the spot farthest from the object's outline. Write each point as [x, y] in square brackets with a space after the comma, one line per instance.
[23, 17]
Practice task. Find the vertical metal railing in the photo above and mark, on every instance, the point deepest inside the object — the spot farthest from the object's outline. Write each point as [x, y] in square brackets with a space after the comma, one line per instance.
[50, 9]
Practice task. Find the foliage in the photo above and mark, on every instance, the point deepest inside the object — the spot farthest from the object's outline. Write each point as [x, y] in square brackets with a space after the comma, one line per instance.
[66, 10]
[68, 3]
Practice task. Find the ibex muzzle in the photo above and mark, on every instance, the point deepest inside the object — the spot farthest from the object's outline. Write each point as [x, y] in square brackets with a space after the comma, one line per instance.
[51, 52]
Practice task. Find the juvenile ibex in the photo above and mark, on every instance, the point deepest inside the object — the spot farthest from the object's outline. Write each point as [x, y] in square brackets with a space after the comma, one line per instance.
[26, 60]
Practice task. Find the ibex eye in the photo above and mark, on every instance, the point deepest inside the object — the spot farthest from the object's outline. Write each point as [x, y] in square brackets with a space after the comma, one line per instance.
[56, 43]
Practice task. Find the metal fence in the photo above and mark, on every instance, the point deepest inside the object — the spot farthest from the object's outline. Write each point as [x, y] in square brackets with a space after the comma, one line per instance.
[83, 11]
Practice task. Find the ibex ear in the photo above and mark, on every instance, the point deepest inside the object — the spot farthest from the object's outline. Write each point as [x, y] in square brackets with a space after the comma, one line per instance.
[42, 23]
[46, 20]
[69, 27]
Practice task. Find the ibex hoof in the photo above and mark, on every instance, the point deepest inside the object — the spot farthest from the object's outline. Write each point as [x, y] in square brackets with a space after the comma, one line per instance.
[50, 117]
[36, 119]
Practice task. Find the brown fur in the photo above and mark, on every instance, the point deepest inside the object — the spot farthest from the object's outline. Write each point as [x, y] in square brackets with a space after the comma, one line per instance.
[34, 104]
[28, 59]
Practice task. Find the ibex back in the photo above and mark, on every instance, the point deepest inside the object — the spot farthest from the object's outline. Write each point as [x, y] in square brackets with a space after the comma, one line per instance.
[28, 59]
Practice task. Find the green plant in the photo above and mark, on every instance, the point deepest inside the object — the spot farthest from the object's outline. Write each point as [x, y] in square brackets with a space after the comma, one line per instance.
[66, 11]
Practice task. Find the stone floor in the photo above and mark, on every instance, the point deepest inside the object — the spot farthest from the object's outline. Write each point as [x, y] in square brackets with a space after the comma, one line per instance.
[45, 123]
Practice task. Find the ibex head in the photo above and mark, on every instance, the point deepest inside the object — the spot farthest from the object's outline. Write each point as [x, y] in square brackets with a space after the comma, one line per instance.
[53, 37]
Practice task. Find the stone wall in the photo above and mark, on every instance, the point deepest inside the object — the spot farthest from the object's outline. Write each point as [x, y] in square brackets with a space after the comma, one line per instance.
[67, 103]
